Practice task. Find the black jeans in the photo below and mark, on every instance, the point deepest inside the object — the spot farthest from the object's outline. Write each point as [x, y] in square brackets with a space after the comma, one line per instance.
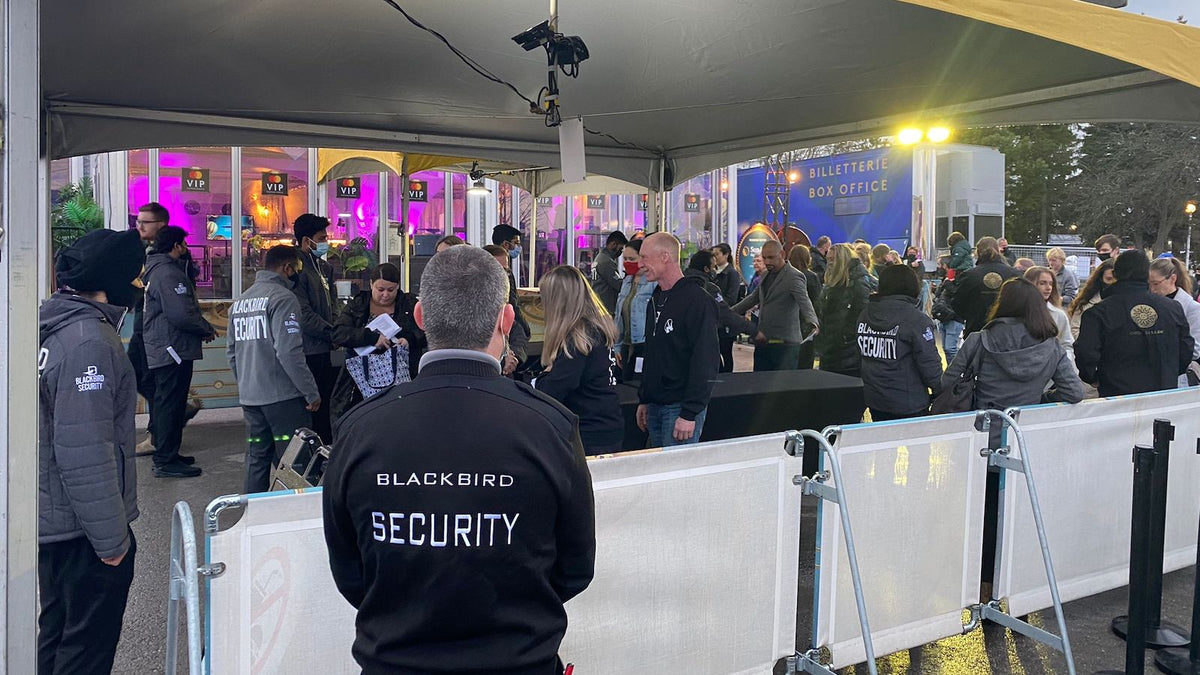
[83, 604]
[168, 410]
[883, 416]
[776, 357]
[726, 341]
[141, 369]
[326, 376]
[629, 357]
[269, 429]
[807, 355]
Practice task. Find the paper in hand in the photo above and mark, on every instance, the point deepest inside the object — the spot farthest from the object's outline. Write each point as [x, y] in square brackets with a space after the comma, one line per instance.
[384, 325]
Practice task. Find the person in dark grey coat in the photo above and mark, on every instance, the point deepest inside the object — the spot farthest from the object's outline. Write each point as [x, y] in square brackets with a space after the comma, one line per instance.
[785, 312]
[606, 272]
[174, 334]
[316, 311]
[87, 476]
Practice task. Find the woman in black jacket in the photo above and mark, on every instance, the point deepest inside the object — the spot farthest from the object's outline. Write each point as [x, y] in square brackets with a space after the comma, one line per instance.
[847, 287]
[350, 330]
[577, 355]
[801, 258]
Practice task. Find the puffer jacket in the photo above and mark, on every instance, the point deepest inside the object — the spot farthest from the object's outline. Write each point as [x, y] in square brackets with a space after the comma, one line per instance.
[839, 309]
[1014, 368]
[87, 478]
[960, 257]
[173, 318]
[900, 359]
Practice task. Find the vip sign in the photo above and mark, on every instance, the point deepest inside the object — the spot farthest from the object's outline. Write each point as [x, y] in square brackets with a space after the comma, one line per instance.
[418, 191]
[545, 201]
[275, 184]
[194, 180]
[349, 187]
[643, 202]
[691, 203]
[595, 202]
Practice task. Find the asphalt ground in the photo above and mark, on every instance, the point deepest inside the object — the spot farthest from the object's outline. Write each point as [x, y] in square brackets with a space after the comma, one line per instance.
[216, 438]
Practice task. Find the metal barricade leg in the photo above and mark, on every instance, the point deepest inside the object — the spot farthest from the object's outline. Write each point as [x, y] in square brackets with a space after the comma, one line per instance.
[992, 610]
[185, 588]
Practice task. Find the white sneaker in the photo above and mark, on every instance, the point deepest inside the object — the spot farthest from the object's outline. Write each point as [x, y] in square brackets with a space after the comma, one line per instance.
[146, 447]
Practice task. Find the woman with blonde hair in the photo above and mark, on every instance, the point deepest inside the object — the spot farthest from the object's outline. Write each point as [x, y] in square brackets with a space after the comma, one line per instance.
[847, 287]
[1068, 285]
[1169, 277]
[577, 357]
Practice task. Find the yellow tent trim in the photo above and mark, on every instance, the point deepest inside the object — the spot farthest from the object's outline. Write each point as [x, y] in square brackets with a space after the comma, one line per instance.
[328, 158]
[1165, 47]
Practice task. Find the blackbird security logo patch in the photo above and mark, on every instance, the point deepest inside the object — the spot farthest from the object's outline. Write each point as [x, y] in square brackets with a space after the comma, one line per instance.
[1144, 316]
[927, 335]
[992, 280]
[91, 380]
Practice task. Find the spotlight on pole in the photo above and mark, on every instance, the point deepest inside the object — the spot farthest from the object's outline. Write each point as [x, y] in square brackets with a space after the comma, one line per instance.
[910, 136]
[938, 134]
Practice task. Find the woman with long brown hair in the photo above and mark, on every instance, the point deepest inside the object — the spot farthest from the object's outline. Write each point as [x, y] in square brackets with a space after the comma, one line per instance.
[1046, 282]
[577, 355]
[1089, 295]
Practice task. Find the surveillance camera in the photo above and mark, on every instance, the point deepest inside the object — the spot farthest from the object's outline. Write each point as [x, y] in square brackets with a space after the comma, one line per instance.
[534, 37]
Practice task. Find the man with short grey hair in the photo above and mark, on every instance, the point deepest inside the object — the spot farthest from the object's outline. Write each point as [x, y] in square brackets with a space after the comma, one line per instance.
[439, 487]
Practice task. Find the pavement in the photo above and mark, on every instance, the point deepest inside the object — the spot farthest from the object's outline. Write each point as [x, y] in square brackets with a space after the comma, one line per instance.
[216, 438]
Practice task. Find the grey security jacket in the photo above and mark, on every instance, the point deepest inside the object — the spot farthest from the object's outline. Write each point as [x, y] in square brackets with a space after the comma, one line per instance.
[172, 317]
[266, 347]
[316, 304]
[87, 479]
[781, 305]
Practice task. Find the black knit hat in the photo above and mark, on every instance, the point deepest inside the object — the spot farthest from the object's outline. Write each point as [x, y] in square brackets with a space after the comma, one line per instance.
[307, 225]
[102, 260]
[1132, 265]
[899, 280]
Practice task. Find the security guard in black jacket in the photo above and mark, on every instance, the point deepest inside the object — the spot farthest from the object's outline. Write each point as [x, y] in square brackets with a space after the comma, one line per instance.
[458, 507]
[1133, 341]
[979, 286]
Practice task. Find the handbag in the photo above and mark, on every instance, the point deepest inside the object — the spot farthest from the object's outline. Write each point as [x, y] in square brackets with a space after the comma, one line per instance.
[373, 373]
[960, 397]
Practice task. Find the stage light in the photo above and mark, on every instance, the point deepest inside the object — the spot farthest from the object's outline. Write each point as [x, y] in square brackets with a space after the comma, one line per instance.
[938, 134]
[724, 186]
[479, 189]
[910, 136]
[793, 176]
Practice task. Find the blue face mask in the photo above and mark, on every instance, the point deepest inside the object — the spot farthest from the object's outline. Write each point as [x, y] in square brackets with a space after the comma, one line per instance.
[321, 248]
[515, 253]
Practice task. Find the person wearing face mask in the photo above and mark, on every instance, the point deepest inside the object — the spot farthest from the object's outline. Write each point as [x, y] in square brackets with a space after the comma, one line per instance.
[311, 286]
[350, 330]
[606, 275]
[631, 311]
[276, 389]
[175, 331]
[518, 336]
[508, 238]
[87, 477]
[1108, 246]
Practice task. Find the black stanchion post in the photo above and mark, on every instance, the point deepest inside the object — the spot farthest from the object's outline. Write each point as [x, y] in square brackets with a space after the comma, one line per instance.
[1159, 634]
[1180, 661]
[1139, 563]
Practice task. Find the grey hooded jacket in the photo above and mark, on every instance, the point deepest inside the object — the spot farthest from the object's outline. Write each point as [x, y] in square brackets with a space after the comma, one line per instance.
[266, 347]
[173, 317]
[1015, 368]
[316, 304]
[87, 479]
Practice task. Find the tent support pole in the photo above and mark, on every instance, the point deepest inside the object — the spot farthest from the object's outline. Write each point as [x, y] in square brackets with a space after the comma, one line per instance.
[533, 238]
[406, 250]
[22, 242]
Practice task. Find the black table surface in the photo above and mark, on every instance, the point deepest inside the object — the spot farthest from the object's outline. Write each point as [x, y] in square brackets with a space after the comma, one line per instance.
[747, 404]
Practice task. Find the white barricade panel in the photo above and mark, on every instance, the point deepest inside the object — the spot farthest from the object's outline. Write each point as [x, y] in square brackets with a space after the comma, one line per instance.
[696, 564]
[276, 608]
[1082, 460]
[915, 492]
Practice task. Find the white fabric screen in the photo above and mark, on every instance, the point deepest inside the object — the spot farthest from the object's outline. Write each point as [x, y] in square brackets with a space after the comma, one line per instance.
[915, 493]
[696, 565]
[1082, 460]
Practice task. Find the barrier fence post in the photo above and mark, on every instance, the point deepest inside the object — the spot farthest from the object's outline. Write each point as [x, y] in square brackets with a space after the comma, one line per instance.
[1180, 661]
[1159, 634]
[185, 589]
[1144, 460]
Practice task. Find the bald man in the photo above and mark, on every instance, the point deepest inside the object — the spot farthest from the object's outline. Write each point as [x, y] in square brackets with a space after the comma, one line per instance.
[682, 354]
[786, 312]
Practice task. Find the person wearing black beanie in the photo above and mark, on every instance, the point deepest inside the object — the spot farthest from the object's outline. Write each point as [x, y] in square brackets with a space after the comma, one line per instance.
[87, 478]
[1133, 341]
[901, 367]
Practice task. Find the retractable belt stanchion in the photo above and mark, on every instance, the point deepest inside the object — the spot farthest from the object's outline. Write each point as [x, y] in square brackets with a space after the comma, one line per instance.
[1159, 633]
[1177, 660]
[1139, 553]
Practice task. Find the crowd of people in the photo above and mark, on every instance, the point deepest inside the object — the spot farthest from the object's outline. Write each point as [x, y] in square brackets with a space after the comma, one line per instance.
[1015, 333]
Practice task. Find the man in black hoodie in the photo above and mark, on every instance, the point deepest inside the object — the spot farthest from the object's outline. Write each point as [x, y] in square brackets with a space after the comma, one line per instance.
[900, 360]
[979, 286]
[87, 478]
[681, 354]
[459, 543]
[1133, 341]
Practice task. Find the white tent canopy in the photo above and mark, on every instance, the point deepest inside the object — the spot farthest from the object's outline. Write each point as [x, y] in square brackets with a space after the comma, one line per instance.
[703, 86]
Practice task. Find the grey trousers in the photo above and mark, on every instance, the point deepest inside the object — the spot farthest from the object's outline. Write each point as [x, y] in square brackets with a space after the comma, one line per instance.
[269, 429]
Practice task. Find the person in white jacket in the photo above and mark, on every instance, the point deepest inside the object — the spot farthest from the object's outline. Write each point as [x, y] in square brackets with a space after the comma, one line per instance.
[1169, 277]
